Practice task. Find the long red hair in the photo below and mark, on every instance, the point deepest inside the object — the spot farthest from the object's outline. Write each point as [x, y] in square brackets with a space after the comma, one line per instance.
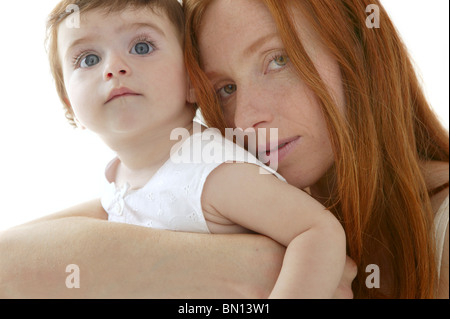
[389, 129]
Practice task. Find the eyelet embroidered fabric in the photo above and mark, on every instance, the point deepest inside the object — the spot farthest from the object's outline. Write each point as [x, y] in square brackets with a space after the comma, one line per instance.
[171, 199]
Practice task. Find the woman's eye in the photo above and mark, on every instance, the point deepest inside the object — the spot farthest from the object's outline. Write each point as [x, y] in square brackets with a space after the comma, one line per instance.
[227, 90]
[278, 62]
[89, 60]
[141, 48]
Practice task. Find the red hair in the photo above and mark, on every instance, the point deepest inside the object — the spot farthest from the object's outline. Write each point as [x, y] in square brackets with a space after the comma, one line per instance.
[388, 130]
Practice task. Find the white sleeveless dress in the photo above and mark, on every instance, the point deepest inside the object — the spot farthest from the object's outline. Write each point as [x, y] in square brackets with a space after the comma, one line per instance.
[171, 199]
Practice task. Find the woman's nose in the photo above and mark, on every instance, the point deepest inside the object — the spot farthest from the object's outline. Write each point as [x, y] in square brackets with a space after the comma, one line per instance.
[252, 110]
[116, 67]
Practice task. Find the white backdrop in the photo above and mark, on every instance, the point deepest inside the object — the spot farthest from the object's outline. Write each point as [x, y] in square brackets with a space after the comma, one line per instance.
[45, 165]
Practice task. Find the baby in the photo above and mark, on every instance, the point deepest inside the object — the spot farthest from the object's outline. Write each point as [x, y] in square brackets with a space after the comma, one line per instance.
[119, 70]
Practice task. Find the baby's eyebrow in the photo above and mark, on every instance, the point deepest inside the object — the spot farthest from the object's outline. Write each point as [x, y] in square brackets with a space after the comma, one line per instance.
[139, 25]
[79, 41]
[125, 27]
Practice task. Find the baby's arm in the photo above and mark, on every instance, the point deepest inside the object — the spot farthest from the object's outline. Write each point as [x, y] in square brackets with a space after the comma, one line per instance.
[315, 240]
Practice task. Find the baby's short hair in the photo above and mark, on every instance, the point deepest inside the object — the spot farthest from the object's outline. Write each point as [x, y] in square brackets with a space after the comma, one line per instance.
[171, 8]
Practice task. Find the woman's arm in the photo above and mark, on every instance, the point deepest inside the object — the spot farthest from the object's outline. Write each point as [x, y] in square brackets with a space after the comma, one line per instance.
[125, 261]
[92, 209]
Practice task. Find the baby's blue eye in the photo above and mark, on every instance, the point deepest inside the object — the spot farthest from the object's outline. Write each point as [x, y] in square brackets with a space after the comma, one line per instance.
[142, 48]
[89, 60]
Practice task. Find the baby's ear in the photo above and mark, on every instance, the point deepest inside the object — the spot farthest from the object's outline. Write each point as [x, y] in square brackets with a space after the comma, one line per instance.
[69, 107]
[67, 102]
[78, 123]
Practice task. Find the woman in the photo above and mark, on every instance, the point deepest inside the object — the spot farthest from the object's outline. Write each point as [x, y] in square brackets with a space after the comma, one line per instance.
[354, 125]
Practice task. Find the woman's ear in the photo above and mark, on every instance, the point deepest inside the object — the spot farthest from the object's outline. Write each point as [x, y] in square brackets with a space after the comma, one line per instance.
[190, 93]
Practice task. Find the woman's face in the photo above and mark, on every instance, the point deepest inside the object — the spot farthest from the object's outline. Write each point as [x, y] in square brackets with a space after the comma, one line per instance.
[245, 60]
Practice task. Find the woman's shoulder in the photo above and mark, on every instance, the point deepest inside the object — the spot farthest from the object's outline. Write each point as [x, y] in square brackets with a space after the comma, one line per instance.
[436, 176]
[441, 218]
[442, 247]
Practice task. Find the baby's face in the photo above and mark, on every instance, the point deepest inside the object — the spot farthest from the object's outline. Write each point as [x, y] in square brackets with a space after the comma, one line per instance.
[124, 72]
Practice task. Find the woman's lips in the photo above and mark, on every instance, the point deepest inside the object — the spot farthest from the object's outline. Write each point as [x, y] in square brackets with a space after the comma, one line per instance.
[116, 93]
[271, 155]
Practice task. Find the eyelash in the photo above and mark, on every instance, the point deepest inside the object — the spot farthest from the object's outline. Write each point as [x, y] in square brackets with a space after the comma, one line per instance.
[273, 58]
[144, 38]
[78, 57]
[277, 56]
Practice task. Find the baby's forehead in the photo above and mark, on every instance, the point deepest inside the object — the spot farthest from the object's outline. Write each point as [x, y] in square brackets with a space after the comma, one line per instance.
[91, 16]
[96, 21]
[95, 24]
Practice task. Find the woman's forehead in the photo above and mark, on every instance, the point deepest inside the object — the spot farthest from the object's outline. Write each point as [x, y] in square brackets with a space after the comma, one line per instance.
[235, 15]
[243, 25]
[235, 23]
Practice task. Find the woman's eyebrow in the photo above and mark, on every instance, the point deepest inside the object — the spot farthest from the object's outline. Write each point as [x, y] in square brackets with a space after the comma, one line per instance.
[252, 48]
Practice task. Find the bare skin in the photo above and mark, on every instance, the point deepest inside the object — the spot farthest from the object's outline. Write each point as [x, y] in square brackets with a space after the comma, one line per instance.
[126, 261]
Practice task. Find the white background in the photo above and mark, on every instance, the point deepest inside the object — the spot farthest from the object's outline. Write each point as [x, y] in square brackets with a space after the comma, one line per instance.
[46, 165]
